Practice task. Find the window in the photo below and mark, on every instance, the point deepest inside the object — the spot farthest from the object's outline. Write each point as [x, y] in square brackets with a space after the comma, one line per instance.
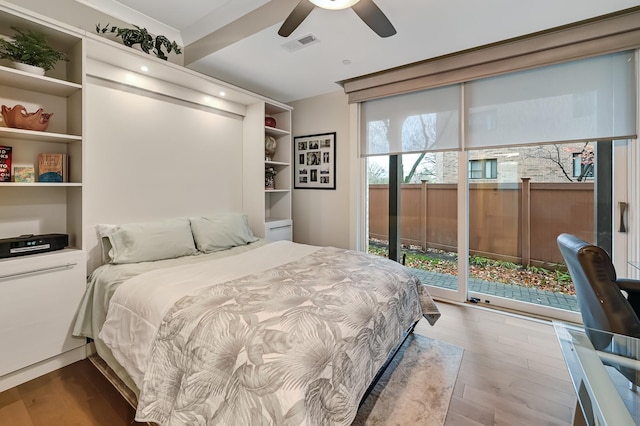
[582, 168]
[483, 169]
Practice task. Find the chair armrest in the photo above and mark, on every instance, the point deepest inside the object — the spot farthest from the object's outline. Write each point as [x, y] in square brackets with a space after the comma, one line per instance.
[628, 285]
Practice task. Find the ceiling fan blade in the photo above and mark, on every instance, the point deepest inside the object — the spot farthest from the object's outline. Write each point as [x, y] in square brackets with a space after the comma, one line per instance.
[371, 14]
[295, 18]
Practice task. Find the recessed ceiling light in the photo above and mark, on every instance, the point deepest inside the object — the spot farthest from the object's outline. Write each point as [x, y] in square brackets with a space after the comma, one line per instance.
[346, 61]
[223, 94]
[144, 68]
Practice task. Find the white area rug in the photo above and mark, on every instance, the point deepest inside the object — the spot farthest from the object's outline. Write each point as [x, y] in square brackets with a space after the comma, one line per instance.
[416, 388]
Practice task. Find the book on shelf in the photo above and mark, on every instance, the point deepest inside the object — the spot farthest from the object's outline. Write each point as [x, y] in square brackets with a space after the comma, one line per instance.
[24, 173]
[51, 167]
[5, 164]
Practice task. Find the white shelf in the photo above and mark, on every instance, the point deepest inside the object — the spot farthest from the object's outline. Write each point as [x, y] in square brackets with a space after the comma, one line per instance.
[52, 86]
[41, 184]
[276, 219]
[20, 134]
[275, 163]
[274, 131]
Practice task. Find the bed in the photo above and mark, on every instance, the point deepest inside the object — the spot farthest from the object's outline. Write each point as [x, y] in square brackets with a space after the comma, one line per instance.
[209, 325]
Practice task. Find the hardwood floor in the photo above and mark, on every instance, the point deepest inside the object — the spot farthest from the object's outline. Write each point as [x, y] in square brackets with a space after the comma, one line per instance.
[512, 373]
[75, 395]
[512, 370]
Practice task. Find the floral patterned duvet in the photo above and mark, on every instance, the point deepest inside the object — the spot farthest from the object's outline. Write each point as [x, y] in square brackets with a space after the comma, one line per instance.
[297, 344]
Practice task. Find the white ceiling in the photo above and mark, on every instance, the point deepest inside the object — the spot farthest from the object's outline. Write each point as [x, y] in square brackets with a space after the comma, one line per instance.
[241, 45]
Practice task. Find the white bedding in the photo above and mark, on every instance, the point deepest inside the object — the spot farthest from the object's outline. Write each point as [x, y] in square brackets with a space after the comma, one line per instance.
[132, 321]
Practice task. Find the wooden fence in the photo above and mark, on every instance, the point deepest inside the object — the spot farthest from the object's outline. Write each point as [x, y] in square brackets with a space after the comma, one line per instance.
[514, 222]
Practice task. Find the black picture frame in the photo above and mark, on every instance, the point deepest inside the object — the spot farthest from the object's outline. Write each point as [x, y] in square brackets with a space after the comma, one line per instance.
[314, 158]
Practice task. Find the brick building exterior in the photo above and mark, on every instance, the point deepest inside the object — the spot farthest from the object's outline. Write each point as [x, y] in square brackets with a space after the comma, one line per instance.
[545, 163]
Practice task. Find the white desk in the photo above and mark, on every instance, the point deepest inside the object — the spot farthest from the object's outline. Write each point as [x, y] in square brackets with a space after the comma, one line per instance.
[604, 396]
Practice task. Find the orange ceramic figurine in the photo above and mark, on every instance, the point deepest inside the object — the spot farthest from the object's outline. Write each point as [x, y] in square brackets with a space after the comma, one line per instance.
[19, 118]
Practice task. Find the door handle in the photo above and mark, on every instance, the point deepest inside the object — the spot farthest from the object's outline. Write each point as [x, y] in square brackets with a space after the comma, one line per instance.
[623, 207]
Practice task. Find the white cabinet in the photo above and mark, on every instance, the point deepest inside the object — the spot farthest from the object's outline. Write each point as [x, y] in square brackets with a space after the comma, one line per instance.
[276, 230]
[39, 296]
[269, 209]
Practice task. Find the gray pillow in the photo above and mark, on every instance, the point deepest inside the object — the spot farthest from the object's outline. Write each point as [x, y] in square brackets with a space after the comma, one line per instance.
[221, 231]
[149, 241]
[104, 230]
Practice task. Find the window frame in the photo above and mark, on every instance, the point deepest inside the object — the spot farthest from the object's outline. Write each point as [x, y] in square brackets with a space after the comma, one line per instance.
[486, 164]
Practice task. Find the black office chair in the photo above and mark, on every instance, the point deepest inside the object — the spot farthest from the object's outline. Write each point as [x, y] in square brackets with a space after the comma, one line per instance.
[603, 306]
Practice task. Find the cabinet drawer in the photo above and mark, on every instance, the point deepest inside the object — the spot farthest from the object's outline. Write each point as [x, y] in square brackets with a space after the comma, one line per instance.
[279, 230]
[39, 296]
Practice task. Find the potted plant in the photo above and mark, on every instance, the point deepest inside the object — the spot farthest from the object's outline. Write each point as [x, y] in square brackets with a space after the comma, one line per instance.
[141, 36]
[32, 49]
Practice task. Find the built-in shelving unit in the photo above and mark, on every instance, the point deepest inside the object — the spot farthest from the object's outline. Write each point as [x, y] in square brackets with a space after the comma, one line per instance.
[269, 210]
[24, 206]
[39, 293]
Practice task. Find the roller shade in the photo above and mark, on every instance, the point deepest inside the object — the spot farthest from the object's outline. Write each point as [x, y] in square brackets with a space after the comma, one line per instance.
[415, 122]
[588, 99]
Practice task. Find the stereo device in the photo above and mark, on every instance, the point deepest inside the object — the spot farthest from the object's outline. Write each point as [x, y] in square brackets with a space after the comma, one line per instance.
[29, 244]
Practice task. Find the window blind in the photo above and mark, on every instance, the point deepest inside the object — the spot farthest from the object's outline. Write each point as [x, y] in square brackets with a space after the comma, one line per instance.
[587, 99]
[416, 122]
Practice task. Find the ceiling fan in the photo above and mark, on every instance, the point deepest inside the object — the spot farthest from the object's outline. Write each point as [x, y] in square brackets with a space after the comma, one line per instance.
[367, 10]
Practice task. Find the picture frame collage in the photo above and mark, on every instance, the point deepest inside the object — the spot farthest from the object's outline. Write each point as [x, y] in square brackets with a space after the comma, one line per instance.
[315, 161]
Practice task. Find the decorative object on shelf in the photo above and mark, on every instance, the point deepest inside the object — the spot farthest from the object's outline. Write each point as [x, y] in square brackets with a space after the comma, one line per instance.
[18, 118]
[141, 36]
[51, 167]
[31, 48]
[32, 69]
[270, 173]
[24, 173]
[270, 146]
[270, 121]
[315, 161]
[5, 164]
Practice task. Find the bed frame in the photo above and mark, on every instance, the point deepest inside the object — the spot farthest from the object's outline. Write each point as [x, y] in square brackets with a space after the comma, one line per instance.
[129, 395]
[386, 364]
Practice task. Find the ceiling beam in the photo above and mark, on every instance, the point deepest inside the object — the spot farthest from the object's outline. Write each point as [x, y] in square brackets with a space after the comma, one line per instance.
[255, 21]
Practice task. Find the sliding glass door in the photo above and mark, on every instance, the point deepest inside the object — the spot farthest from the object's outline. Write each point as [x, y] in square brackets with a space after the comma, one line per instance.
[428, 218]
[520, 200]
[480, 178]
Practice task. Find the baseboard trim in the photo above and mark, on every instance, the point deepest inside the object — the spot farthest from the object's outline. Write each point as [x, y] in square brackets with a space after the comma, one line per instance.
[41, 368]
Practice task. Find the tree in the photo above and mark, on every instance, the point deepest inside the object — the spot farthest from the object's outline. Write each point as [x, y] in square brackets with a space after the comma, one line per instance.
[376, 173]
[418, 134]
[562, 156]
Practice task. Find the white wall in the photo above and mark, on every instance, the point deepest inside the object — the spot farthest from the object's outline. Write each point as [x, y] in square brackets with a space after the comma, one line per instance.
[324, 217]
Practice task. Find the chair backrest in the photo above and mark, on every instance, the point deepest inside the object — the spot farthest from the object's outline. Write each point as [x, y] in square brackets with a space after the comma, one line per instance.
[602, 304]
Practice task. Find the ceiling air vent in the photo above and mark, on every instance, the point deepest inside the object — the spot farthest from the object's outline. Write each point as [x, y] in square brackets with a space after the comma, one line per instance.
[300, 42]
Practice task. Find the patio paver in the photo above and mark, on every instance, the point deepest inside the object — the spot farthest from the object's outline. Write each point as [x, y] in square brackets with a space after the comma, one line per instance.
[516, 292]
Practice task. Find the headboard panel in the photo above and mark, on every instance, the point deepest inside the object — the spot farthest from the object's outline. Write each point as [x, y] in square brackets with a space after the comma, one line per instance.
[150, 157]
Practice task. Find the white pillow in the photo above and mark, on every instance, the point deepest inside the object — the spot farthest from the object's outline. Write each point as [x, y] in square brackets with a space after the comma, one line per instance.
[221, 231]
[149, 241]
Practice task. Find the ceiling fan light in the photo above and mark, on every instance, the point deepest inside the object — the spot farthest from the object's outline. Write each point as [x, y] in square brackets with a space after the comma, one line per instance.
[334, 4]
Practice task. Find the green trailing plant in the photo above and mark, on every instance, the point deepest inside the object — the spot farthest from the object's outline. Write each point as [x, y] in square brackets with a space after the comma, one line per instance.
[563, 277]
[31, 48]
[148, 43]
